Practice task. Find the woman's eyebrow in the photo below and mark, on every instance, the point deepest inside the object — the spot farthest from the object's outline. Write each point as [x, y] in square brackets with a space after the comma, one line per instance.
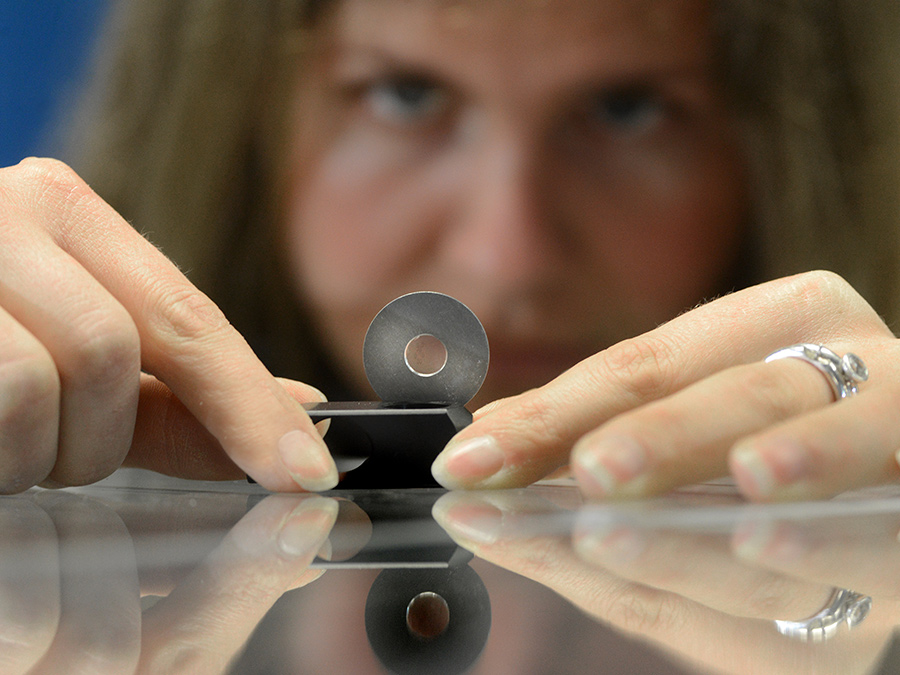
[415, 62]
[361, 61]
[374, 53]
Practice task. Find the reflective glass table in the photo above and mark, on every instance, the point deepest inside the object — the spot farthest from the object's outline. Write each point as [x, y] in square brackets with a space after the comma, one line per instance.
[144, 574]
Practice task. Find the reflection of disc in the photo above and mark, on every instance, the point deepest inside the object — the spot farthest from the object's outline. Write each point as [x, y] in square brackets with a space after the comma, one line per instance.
[456, 648]
[426, 314]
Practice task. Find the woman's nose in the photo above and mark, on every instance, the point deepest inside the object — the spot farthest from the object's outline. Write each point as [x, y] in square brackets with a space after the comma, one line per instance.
[504, 227]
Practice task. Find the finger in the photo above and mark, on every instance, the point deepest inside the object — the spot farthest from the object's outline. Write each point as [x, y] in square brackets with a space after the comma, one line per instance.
[525, 439]
[688, 628]
[352, 531]
[197, 521]
[859, 553]
[207, 619]
[846, 445]
[29, 408]
[186, 342]
[698, 566]
[99, 626]
[29, 584]
[696, 632]
[492, 407]
[168, 439]
[685, 438]
[93, 344]
[485, 518]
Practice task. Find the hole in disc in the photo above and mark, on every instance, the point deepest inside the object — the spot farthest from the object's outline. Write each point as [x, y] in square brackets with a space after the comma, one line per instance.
[427, 615]
[425, 355]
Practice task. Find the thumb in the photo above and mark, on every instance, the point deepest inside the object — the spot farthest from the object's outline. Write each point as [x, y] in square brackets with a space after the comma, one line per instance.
[168, 439]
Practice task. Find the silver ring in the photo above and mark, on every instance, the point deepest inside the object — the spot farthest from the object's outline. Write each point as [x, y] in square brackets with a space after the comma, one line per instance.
[842, 373]
[845, 606]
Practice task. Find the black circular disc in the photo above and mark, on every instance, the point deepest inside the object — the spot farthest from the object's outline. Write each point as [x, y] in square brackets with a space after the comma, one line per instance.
[456, 648]
[430, 314]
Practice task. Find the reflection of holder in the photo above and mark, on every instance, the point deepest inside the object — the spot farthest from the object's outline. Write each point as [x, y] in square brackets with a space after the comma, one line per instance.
[426, 355]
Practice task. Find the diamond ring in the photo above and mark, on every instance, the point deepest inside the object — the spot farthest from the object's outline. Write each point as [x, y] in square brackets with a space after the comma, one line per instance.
[843, 373]
[845, 606]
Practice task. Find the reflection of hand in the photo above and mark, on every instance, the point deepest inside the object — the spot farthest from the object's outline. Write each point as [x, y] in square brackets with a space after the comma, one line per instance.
[66, 610]
[85, 304]
[685, 590]
[684, 402]
[73, 605]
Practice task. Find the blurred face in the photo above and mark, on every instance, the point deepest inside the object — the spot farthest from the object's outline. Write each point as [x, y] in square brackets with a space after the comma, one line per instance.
[563, 167]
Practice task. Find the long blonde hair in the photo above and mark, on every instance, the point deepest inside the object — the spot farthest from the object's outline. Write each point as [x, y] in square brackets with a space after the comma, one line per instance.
[182, 128]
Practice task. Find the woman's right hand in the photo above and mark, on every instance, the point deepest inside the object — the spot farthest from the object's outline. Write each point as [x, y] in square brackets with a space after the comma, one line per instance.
[704, 584]
[109, 355]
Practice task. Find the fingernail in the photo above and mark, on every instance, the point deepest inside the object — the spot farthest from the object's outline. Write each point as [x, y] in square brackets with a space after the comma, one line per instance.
[750, 539]
[468, 462]
[304, 532]
[604, 467]
[765, 540]
[317, 393]
[309, 466]
[477, 522]
[753, 475]
[763, 475]
[620, 545]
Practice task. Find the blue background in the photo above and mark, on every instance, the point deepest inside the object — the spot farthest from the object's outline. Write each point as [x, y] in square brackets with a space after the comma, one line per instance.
[44, 47]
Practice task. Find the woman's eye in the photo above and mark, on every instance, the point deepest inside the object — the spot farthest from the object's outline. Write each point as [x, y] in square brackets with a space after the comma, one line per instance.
[631, 110]
[405, 101]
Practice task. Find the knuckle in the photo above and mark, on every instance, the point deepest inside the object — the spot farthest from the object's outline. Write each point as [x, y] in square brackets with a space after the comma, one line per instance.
[543, 418]
[34, 638]
[538, 559]
[42, 178]
[184, 315]
[45, 171]
[833, 304]
[45, 193]
[164, 654]
[29, 409]
[645, 611]
[105, 353]
[769, 597]
[822, 287]
[642, 366]
[84, 473]
[30, 373]
[29, 385]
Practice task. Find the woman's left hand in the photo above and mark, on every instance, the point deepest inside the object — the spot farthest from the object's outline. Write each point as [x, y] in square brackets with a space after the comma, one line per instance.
[694, 399]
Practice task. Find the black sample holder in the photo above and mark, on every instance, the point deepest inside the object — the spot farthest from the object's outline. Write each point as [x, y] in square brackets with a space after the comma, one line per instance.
[387, 445]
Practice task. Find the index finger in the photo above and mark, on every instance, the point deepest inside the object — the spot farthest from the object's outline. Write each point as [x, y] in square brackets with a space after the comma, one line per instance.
[527, 437]
[186, 341]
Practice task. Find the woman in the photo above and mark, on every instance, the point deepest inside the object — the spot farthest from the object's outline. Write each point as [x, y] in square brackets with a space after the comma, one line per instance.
[576, 172]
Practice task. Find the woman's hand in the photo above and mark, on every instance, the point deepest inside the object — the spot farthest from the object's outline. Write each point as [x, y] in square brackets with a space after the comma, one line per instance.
[73, 578]
[86, 305]
[693, 399]
[708, 594]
